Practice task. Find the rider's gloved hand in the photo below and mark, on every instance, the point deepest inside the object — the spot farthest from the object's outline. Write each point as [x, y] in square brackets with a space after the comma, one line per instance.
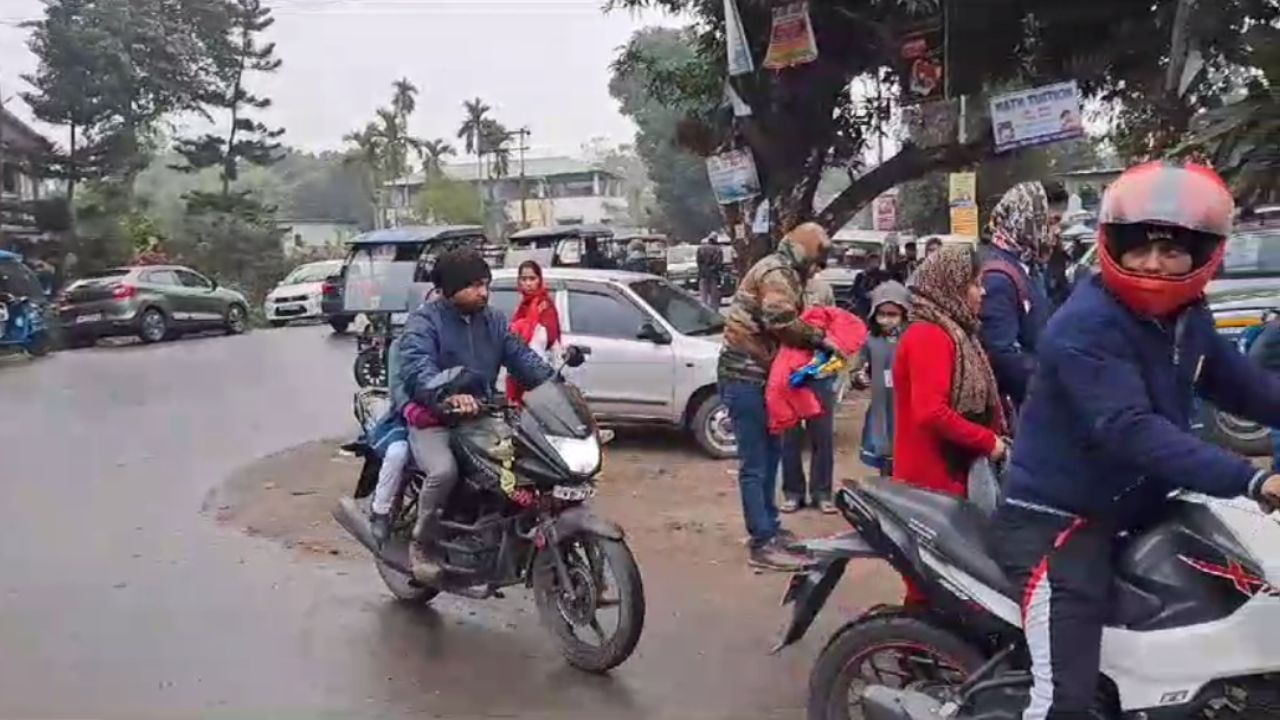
[465, 405]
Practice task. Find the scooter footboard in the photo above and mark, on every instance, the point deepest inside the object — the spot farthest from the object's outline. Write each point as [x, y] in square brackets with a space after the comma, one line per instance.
[809, 589]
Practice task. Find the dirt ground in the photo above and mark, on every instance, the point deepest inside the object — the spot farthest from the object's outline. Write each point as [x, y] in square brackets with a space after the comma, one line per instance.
[678, 507]
[683, 520]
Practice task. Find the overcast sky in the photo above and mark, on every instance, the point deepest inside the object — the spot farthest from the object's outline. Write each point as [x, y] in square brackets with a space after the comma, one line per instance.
[540, 63]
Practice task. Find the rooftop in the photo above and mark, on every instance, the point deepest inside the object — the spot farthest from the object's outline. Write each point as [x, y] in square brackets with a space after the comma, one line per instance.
[14, 127]
[533, 168]
[417, 233]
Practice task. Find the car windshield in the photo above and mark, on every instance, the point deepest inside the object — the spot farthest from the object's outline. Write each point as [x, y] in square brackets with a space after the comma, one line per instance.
[685, 313]
[1252, 252]
[682, 254]
[316, 272]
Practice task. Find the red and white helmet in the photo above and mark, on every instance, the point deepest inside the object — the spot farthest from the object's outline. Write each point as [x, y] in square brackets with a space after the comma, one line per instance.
[1193, 203]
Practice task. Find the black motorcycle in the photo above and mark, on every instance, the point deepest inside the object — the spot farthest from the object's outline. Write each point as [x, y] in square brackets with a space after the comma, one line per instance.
[519, 517]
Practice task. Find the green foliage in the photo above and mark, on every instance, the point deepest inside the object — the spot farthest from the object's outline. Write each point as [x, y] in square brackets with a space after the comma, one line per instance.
[239, 251]
[806, 120]
[449, 202]
[236, 53]
[1242, 140]
[684, 206]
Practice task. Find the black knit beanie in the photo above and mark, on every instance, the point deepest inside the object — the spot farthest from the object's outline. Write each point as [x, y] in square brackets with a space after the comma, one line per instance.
[458, 270]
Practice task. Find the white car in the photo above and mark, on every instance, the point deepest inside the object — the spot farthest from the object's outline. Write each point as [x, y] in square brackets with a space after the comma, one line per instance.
[653, 350]
[298, 296]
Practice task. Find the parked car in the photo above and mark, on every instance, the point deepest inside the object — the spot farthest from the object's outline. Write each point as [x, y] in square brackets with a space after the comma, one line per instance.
[411, 249]
[154, 302]
[1243, 294]
[300, 295]
[653, 350]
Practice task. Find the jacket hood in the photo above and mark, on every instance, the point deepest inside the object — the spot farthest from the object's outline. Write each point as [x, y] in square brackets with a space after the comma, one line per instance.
[891, 291]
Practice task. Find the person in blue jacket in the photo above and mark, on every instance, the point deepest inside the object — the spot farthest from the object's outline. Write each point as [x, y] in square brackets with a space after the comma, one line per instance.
[1105, 434]
[1017, 305]
[455, 329]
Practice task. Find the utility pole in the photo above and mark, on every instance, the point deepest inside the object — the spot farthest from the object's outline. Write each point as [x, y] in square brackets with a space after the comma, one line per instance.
[3, 161]
[523, 133]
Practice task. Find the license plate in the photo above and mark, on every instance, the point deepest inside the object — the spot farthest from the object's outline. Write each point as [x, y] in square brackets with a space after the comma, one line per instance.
[91, 317]
[573, 493]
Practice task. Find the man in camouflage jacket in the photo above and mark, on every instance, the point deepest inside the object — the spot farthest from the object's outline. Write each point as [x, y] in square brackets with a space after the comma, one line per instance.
[764, 315]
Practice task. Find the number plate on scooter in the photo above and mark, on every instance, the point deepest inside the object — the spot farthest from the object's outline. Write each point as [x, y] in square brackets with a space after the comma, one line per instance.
[573, 493]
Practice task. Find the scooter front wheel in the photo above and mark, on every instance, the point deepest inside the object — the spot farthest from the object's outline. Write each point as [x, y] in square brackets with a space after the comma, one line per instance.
[598, 616]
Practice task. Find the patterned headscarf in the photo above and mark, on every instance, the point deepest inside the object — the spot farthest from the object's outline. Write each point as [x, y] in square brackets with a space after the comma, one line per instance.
[939, 289]
[1020, 221]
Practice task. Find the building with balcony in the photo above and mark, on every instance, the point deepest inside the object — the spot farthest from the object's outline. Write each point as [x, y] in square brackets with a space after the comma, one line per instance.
[22, 155]
[555, 191]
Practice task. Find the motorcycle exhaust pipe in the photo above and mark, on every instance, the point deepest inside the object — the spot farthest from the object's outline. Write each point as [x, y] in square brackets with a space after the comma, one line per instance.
[350, 517]
[354, 521]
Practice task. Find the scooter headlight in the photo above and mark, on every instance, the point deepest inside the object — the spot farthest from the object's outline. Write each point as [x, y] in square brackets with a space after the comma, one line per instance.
[581, 455]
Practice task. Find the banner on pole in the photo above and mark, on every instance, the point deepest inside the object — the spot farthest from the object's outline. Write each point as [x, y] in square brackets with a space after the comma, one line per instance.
[733, 176]
[963, 197]
[791, 40]
[1036, 116]
[923, 63]
[885, 211]
[735, 40]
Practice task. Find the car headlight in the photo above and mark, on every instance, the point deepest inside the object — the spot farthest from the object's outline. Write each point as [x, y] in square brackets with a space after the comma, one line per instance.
[582, 456]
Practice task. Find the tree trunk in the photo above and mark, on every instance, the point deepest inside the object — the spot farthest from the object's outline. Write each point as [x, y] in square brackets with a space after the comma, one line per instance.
[72, 176]
[910, 163]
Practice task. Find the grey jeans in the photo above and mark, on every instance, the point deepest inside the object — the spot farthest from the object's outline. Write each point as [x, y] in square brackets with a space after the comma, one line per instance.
[435, 459]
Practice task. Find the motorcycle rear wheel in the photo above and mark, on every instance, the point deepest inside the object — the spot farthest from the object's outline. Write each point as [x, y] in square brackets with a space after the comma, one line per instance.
[369, 370]
[920, 655]
[566, 614]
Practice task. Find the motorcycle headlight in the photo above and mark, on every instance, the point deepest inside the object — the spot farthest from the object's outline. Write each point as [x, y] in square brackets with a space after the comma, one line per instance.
[582, 456]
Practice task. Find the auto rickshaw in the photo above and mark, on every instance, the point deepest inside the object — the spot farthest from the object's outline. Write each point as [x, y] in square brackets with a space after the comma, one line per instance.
[585, 246]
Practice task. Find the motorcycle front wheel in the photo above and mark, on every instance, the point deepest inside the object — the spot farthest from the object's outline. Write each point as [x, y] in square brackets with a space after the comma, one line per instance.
[598, 617]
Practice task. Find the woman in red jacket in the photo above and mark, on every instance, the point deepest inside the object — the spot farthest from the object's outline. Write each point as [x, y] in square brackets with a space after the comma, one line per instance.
[946, 407]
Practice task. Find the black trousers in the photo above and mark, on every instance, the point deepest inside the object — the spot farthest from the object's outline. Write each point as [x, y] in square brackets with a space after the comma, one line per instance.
[1064, 565]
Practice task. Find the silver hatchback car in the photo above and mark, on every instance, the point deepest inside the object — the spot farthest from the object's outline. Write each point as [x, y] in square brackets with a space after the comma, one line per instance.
[653, 348]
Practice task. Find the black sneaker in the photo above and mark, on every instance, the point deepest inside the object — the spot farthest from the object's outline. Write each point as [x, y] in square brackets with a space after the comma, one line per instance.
[773, 556]
[786, 538]
[380, 527]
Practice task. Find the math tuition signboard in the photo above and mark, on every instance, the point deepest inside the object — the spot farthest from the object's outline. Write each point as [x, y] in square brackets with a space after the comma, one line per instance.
[1036, 116]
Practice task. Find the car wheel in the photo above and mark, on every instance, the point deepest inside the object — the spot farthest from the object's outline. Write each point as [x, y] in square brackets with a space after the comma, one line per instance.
[236, 320]
[340, 323]
[154, 326]
[713, 429]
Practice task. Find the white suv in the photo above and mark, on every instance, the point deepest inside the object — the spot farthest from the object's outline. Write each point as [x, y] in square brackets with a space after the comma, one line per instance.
[653, 346]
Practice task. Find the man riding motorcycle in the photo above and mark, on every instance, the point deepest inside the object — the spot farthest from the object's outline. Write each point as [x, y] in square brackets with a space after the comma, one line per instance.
[1105, 435]
[456, 328]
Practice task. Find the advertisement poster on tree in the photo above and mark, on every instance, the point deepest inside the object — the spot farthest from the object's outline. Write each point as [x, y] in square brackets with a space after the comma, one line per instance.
[791, 41]
[1036, 116]
[733, 176]
[923, 70]
[885, 212]
[735, 40]
[963, 198]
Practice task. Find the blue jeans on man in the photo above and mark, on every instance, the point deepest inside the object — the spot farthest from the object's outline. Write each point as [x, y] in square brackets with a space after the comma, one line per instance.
[758, 455]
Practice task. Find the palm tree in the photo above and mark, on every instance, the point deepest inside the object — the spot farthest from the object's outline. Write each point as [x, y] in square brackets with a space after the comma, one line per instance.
[472, 132]
[433, 154]
[494, 137]
[405, 100]
[368, 154]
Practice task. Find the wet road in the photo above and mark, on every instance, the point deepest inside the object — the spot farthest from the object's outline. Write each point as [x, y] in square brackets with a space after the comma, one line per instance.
[118, 598]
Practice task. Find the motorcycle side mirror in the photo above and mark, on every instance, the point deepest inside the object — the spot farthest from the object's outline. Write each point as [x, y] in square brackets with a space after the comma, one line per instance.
[653, 334]
[575, 356]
